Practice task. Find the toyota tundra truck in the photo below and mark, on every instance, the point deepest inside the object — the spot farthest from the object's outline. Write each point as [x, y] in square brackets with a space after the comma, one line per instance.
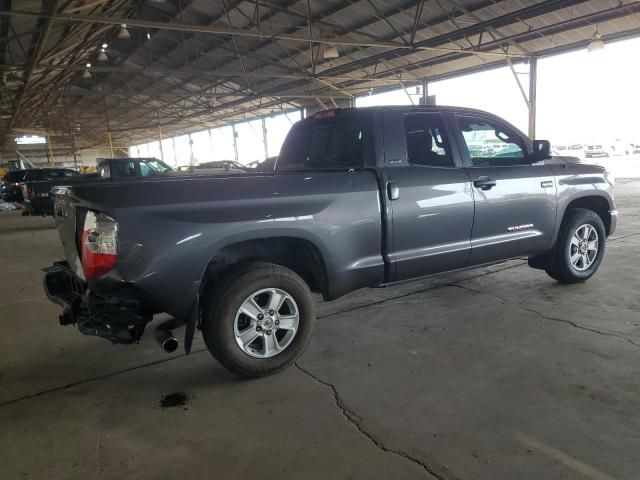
[358, 198]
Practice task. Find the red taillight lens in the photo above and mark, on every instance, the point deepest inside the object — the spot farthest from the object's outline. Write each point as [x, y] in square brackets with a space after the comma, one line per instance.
[30, 193]
[99, 244]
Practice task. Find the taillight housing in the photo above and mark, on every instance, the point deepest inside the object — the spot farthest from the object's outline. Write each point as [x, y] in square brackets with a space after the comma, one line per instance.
[99, 244]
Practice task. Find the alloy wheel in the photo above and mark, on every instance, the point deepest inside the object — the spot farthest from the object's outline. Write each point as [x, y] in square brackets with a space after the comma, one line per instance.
[266, 323]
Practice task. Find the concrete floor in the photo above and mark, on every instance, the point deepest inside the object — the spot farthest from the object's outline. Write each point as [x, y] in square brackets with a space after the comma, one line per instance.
[497, 373]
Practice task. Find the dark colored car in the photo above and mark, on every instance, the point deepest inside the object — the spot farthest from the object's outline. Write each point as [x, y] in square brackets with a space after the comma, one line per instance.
[36, 188]
[359, 198]
[10, 190]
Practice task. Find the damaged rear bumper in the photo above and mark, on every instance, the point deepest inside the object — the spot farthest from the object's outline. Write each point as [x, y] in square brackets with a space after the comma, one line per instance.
[120, 319]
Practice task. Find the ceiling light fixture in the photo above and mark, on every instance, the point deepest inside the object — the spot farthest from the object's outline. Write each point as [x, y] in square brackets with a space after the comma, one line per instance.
[330, 53]
[86, 74]
[104, 45]
[148, 36]
[123, 33]
[88, 65]
[102, 56]
[596, 44]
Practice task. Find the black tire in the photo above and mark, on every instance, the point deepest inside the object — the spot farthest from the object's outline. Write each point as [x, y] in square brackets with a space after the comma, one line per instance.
[225, 301]
[561, 268]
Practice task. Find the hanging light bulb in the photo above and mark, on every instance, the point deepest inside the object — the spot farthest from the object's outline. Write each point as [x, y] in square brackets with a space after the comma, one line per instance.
[104, 46]
[102, 56]
[123, 33]
[148, 36]
[596, 44]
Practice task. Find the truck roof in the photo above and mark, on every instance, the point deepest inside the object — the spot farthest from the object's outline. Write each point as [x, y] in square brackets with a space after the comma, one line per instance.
[339, 112]
[418, 108]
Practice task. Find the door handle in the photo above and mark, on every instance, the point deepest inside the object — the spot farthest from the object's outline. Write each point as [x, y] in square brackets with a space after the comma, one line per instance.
[484, 183]
[393, 191]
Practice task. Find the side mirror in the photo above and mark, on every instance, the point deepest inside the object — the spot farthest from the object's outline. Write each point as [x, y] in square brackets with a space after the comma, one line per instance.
[541, 150]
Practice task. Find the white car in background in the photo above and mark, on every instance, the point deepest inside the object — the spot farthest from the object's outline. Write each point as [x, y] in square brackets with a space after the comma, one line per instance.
[596, 150]
[617, 147]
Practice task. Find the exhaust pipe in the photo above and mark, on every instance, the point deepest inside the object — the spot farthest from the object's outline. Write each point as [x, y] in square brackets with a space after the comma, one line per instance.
[164, 335]
[166, 340]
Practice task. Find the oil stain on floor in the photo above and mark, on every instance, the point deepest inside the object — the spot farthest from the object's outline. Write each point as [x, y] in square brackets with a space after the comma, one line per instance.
[175, 400]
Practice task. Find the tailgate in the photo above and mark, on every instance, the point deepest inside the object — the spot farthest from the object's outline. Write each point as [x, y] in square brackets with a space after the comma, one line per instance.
[67, 217]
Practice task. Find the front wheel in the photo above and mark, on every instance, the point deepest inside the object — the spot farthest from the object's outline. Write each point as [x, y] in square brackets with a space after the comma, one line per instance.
[260, 320]
[580, 247]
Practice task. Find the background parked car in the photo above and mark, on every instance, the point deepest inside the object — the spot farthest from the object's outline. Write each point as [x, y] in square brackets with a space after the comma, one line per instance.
[36, 189]
[10, 186]
[617, 147]
[38, 199]
[597, 150]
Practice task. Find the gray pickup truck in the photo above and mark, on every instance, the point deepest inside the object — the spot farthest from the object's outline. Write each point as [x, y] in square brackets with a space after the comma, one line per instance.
[358, 198]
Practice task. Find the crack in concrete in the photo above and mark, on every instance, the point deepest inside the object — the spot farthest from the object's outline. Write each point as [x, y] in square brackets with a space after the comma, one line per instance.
[545, 316]
[356, 421]
[615, 239]
[97, 377]
[193, 352]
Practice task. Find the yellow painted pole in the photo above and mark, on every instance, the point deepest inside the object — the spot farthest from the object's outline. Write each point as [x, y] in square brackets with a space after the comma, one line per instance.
[110, 143]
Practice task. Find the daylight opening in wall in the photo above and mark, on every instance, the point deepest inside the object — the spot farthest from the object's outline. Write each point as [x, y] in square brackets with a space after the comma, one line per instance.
[30, 140]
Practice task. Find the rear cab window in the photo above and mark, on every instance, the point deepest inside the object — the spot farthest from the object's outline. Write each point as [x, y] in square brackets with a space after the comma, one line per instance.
[16, 176]
[335, 143]
[59, 174]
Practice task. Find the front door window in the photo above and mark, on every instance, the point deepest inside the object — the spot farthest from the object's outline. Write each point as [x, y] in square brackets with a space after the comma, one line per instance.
[492, 144]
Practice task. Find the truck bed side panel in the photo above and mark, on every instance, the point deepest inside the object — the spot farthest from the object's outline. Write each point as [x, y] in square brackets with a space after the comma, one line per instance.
[169, 230]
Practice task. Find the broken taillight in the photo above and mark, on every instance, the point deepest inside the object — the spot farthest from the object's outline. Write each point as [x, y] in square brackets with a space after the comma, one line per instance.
[99, 244]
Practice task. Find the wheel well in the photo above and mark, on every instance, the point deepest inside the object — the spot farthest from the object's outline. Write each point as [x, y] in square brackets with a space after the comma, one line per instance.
[599, 205]
[297, 254]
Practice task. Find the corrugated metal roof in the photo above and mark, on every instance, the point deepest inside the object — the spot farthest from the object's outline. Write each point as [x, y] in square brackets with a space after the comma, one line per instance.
[196, 74]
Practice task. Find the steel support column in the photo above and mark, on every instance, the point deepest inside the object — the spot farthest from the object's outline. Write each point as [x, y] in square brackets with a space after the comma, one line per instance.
[533, 86]
[265, 143]
[425, 92]
[235, 141]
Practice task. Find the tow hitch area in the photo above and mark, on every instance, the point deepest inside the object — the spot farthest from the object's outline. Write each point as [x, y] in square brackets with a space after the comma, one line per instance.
[119, 319]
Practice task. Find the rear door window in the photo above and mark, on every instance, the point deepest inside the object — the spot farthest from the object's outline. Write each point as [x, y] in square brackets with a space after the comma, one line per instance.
[126, 168]
[427, 144]
[35, 175]
[335, 143]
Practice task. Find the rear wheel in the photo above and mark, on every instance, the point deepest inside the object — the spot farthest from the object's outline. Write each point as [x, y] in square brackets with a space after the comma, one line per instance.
[260, 320]
[580, 247]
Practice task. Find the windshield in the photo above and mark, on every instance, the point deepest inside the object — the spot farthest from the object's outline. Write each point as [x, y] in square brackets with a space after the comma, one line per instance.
[153, 166]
